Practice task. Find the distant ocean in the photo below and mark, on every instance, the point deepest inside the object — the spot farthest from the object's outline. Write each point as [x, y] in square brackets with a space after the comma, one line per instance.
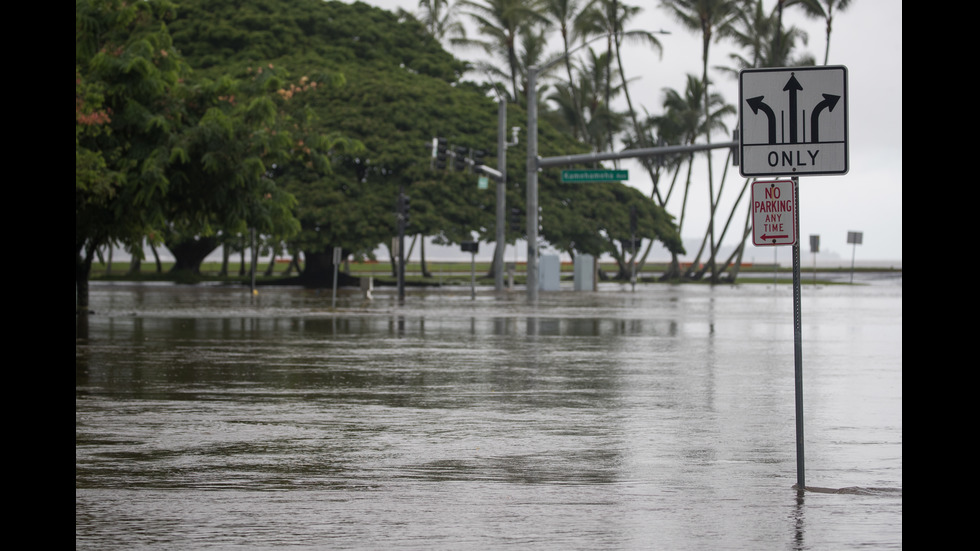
[781, 255]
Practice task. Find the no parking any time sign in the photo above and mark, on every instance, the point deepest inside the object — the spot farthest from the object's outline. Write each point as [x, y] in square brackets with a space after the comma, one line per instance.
[773, 213]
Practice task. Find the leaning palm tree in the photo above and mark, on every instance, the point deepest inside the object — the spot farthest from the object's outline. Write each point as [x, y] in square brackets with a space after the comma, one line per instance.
[653, 132]
[620, 15]
[823, 9]
[752, 31]
[500, 24]
[767, 44]
[682, 123]
[711, 18]
[610, 18]
[571, 17]
[766, 41]
[532, 51]
[439, 18]
[688, 113]
[588, 98]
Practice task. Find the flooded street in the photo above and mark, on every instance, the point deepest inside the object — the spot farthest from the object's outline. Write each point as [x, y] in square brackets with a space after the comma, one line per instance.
[660, 418]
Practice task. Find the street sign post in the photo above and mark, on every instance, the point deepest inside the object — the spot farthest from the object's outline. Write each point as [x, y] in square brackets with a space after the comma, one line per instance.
[580, 176]
[773, 212]
[793, 121]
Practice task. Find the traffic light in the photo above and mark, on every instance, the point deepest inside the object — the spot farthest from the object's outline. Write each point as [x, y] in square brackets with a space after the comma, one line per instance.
[515, 219]
[403, 205]
[460, 158]
[478, 156]
[440, 153]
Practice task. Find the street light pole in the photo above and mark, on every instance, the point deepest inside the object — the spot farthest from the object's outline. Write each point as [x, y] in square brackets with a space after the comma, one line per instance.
[532, 183]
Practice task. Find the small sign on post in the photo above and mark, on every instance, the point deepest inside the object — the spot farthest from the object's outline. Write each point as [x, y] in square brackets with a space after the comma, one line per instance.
[471, 247]
[854, 238]
[773, 211]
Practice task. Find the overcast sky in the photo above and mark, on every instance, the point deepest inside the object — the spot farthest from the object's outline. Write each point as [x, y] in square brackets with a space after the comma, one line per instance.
[867, 40]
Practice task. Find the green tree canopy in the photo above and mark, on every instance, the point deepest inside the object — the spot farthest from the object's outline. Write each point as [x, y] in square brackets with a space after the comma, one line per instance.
[372, 90]
[128, 87]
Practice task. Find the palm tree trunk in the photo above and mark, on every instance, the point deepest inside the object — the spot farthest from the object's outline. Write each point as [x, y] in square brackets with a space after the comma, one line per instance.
[741, 247]
[728, 221]
[716, 244]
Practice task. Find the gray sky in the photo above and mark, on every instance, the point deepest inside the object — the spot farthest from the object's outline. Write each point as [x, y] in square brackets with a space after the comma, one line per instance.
[867, 40]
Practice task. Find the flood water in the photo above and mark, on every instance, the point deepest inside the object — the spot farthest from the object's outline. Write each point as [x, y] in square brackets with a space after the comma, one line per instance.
[660, 418]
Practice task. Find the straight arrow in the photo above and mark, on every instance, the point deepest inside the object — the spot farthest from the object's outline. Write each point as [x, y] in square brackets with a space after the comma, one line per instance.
[792, 86]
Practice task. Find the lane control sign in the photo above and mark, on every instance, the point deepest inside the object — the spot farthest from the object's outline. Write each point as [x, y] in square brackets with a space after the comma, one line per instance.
[773, 213]
[793, 121]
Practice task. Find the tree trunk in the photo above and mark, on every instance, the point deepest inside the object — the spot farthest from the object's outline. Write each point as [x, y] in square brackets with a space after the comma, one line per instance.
[673, 270]
[318, 272]
[135, 259]
[393, 262]
[272, 262]
[731, 215]
[241, 263]
[224, 260]
[189, 254]
[741, 247]
[293, 263]
[716, 244]
[156, 258]
[425, 266]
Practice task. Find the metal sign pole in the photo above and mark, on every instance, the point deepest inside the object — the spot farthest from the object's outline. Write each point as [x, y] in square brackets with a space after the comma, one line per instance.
[798, 341]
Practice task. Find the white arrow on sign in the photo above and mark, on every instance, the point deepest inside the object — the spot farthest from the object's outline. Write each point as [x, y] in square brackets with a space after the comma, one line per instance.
[773, 213]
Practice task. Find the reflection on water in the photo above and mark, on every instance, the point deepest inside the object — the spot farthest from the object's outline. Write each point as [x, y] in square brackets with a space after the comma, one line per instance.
[661, 418]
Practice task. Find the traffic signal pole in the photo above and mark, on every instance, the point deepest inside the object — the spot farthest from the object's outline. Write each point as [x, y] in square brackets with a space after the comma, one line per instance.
[498, 253]
[532, 183]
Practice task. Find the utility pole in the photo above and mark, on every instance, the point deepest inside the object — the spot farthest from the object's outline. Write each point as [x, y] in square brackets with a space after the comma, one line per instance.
[532, 182]
[498, 253]
[502, 145]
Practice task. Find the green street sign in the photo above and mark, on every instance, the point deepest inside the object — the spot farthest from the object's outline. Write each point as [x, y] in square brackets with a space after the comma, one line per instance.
[598, 175]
